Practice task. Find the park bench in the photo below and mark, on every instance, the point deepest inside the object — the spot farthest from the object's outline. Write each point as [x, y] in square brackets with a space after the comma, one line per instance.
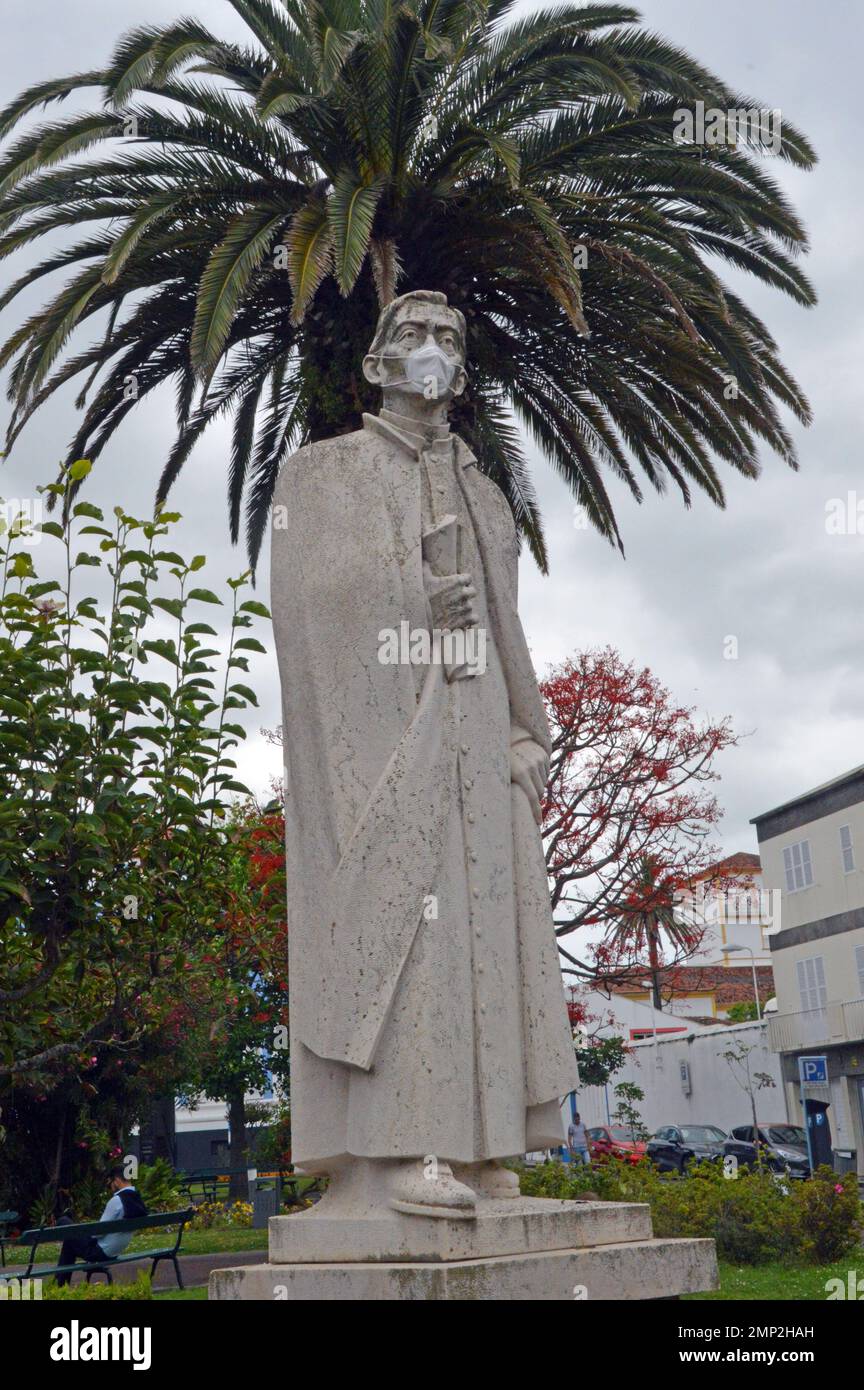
[46, 1235]
[210, 1179]
[7, 1219]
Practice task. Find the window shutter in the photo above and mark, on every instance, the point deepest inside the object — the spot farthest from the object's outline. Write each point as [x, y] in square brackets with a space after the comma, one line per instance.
[790, 869]
[798, 866]
[811, 983]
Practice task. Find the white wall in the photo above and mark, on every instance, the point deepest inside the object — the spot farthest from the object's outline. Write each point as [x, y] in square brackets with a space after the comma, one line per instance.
[621, 1014]
[715, 1097]
[211, 1114]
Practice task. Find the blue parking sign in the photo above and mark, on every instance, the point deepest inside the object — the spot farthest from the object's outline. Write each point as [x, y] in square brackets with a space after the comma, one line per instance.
[813, 1071]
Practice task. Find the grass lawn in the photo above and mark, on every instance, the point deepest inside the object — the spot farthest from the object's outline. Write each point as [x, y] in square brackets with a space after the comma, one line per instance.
[183, 1295]
[738, 1283]
[793, 1283]
[797, 1283]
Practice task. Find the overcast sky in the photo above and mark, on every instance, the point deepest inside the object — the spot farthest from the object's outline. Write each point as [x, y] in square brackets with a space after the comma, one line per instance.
[764, 570]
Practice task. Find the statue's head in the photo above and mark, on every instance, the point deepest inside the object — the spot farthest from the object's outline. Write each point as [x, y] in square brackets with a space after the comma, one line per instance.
[418, 348]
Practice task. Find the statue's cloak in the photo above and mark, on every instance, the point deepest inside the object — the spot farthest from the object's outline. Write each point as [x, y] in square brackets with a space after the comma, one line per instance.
[374, 805]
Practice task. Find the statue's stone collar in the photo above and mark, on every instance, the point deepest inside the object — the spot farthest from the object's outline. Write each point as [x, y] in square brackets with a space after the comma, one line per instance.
[437, 440]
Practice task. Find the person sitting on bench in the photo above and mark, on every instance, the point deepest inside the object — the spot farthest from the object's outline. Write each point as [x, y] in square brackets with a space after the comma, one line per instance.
[124, 1202]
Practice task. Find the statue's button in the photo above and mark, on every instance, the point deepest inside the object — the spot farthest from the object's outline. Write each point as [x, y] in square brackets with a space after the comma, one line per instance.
[465, 750]
[476, 892]
[473, 857]
[482, 1008]
[470, 817]
[468, 785]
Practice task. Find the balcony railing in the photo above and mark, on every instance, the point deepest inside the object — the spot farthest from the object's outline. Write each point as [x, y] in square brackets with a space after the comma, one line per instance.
[836, 1023]
[853, 1015]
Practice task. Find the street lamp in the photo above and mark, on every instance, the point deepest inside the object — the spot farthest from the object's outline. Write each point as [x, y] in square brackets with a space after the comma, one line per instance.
[649, 985]
[727, 951]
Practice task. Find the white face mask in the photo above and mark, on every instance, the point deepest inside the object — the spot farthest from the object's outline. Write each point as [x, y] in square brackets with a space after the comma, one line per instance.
[428, 369]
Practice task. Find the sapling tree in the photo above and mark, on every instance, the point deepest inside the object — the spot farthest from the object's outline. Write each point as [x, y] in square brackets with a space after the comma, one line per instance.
[119, 724]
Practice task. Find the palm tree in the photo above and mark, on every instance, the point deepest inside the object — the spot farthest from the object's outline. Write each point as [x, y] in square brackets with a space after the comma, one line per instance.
[647, 914]
[254, 205]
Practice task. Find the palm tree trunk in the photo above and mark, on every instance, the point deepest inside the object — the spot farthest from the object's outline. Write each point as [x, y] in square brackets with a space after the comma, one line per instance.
[654, 964]
[337, 335]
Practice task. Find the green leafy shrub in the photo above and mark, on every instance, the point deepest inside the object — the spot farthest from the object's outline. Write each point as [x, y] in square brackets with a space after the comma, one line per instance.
[101, 1292]
[615, 1181]
[750, 1226]
[157, 1185]
[118, 726]
[88, 1197]
[754, 1218]
[689, 1206]
[41, 1210]
[823, 1217]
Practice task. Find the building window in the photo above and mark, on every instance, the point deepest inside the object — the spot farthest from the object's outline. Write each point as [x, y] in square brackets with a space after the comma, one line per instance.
[799, 869]
[846, 849]
[859, 961]
[811, 983]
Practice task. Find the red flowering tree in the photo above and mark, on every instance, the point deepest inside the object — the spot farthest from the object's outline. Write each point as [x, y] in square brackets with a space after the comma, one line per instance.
[628, 818]
[245, 960]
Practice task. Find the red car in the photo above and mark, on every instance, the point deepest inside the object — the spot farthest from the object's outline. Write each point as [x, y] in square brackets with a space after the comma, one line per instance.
[614, 1141]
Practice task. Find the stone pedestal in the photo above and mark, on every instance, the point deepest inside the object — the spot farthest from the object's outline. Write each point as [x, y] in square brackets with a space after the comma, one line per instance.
[517, 1249]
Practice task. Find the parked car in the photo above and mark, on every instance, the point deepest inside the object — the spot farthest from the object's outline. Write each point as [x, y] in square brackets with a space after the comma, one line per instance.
[674, 1147]
[614, 1141]
[783, 1147]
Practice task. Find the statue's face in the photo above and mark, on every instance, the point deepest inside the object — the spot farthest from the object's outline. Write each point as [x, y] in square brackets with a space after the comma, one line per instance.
[422, 354]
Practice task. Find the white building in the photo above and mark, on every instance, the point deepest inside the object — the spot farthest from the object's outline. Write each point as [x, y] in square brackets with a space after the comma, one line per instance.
[686, 1079]
[733, 960]
[812, 849]
[631, 1018]
[742, 917]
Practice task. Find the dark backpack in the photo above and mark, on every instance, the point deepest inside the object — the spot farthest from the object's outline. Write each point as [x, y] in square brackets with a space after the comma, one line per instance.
[133, 1203]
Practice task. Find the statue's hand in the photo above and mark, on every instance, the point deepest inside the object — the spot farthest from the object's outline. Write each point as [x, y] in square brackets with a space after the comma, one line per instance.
[450, 599]
[529, 769]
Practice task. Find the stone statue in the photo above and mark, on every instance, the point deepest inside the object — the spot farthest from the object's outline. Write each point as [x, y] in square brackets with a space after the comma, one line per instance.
[429, 1031]
[429, 1034]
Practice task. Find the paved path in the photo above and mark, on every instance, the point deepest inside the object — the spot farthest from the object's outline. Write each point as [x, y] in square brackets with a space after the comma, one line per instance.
[194, 1268]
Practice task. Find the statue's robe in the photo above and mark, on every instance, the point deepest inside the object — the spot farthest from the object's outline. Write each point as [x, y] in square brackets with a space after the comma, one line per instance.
[427, 1008]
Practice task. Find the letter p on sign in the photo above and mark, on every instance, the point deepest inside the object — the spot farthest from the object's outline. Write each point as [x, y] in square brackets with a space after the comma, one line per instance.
[814, 1071]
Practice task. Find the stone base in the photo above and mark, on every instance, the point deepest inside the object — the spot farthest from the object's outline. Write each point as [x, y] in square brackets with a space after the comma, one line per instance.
[518, 1249]
[637, 1270]
[512, 1226]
